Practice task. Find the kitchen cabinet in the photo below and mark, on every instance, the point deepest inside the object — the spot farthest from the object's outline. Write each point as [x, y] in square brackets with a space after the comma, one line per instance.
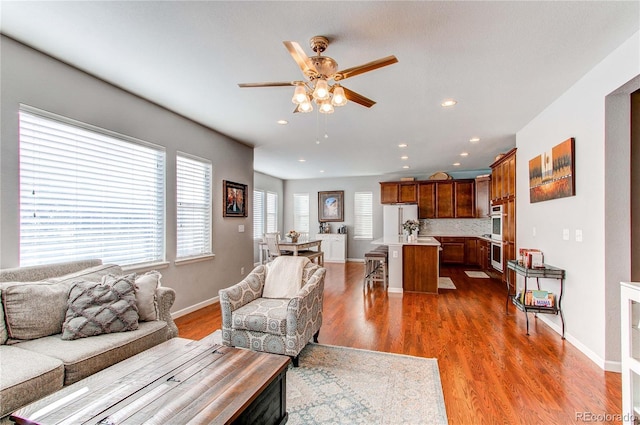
[420, 268]
[446, 199]
[483, 197]
[471, 252]
[334, 247]
[503, 192]
[453, 250]
[398, 192]
[484, 253]
[426, 200]
[464, 195]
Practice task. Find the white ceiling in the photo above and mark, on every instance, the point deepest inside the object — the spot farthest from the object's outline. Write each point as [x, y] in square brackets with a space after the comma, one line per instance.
[504, 62]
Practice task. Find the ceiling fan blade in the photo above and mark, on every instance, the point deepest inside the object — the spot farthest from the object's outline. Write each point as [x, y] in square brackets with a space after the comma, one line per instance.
[301, 58]
[370, 66]
[358, 98]
[270, 84]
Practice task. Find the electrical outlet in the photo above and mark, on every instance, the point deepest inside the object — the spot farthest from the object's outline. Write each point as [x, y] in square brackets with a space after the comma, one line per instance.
[241, 228]
[242, 270]
[534, 231]
[395, 254]
[578, 235]
[565, 234]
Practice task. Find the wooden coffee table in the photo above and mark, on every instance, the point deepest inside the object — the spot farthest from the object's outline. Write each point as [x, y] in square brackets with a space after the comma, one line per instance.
[178, 382]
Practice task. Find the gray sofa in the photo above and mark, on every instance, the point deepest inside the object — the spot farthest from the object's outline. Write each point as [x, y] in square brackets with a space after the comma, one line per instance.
[34, 359]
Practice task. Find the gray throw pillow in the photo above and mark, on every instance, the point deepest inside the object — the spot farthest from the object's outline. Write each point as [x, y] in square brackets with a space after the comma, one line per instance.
[100, 308]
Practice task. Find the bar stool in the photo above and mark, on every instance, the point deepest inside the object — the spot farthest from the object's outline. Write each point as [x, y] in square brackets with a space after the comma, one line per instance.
[375, 268]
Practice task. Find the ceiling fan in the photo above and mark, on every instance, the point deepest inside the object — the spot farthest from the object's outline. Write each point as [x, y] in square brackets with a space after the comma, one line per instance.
[319, 71]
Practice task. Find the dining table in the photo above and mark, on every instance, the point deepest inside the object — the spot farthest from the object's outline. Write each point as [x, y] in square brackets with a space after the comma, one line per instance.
[297, 248]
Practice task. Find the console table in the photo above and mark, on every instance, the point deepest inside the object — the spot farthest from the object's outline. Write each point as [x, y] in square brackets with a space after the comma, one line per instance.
[546, 272]
[177, 382]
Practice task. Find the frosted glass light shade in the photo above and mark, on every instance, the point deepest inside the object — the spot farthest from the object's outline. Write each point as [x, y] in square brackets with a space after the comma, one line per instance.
[321, 91]
[325, 107]
[299, 95]
[305, 106]
[339, 98]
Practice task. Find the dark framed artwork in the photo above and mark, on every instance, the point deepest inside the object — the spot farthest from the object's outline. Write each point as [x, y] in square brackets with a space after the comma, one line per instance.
[552, 174]
[235, 199]
[331, 206]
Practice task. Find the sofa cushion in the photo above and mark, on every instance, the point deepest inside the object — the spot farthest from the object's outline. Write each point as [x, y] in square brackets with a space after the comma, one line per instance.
[37, 309]
[267, 315]
[4, 335]
[86, 356]
[101, 308]
[26, 376]
[146, 301]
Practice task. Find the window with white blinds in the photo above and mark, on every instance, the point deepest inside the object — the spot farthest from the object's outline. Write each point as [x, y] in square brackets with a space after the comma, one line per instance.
[363, 209]
[88, 193]
[272, 212]
[301, 212]
[193, 195]
[258, 214]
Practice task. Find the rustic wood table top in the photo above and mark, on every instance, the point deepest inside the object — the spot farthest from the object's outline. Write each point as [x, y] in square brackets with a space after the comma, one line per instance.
[180, 381]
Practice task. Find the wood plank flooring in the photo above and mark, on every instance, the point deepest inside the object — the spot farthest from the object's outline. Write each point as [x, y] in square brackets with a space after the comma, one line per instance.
[491, 372]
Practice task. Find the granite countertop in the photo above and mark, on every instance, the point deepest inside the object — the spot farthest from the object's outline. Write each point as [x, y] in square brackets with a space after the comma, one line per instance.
[443, 235]
[399, 240]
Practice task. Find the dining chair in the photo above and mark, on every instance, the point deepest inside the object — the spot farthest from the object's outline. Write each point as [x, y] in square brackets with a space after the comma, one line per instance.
[273, 246]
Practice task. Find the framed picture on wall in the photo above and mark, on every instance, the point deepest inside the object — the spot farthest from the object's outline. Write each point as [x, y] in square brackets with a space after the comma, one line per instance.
[552, 174]
[235, 199]
[331, 206]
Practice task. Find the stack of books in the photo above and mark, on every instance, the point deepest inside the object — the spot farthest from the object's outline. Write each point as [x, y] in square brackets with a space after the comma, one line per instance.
[537, 298]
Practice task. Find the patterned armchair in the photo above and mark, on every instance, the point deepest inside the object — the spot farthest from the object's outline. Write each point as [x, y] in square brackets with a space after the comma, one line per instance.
[273, 325]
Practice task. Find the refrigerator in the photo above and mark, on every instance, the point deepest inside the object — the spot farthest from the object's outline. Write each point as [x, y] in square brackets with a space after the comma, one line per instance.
[394, 215]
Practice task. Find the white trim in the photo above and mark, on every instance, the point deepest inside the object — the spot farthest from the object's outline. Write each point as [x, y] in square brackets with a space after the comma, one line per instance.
[395, 290]
[195, 307]
[196, 259]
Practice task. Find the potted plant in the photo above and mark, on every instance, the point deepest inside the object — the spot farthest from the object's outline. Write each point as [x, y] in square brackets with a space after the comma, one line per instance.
[411, 226]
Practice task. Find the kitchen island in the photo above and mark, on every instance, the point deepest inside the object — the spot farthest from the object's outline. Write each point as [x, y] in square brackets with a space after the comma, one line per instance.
[413, 266]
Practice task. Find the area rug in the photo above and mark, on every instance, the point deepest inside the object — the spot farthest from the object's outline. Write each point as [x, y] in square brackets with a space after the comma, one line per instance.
[339, 385]
[445, 283]
[477, 274]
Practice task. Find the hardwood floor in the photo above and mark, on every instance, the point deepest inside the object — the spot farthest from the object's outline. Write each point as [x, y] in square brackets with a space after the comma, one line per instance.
[491, 372]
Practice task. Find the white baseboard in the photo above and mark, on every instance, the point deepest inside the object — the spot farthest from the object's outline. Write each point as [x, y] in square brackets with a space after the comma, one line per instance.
[609, 366]
[355, 260]
[195, 307]
[394, 290]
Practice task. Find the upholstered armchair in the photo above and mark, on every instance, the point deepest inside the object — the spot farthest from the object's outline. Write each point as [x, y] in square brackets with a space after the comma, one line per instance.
[280, 318]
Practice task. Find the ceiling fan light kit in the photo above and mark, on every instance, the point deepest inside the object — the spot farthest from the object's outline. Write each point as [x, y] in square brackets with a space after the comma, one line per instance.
[318, 71]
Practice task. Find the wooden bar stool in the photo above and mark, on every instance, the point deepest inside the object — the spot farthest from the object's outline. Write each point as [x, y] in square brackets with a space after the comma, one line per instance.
[375, 268]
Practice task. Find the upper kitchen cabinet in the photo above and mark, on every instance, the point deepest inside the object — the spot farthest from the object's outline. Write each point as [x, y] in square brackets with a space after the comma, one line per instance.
[465, 197]
[503, 177]
[398, 192]
[483, 196]
[446, 199]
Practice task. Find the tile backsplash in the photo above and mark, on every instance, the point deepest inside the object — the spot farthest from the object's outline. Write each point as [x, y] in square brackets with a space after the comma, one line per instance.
[455, 227]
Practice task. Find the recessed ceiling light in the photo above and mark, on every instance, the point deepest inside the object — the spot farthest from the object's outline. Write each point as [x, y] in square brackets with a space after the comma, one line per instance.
[301, 160]
[402, 145]
[447, 103]
[474, 139]
[456, 164]
[322, 171]
[404, 157]
[464, 154]
[405, 166]
[282, 122]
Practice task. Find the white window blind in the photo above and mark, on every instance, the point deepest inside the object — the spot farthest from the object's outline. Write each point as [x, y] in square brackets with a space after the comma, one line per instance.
[301, 212]
[88, 193]
[258, 214]
[193, 194]
[363, 208]
[272, 212]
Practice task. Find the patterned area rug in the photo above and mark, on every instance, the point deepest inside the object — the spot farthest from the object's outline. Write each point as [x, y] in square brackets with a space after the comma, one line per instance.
[338, 385]
[477, 274]
[445, 283]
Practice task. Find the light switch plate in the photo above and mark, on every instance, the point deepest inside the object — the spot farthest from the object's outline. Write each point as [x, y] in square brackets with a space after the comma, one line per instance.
[395, 254]
[534, 231]
[578, 235]
[241, 228]
[565, 234]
